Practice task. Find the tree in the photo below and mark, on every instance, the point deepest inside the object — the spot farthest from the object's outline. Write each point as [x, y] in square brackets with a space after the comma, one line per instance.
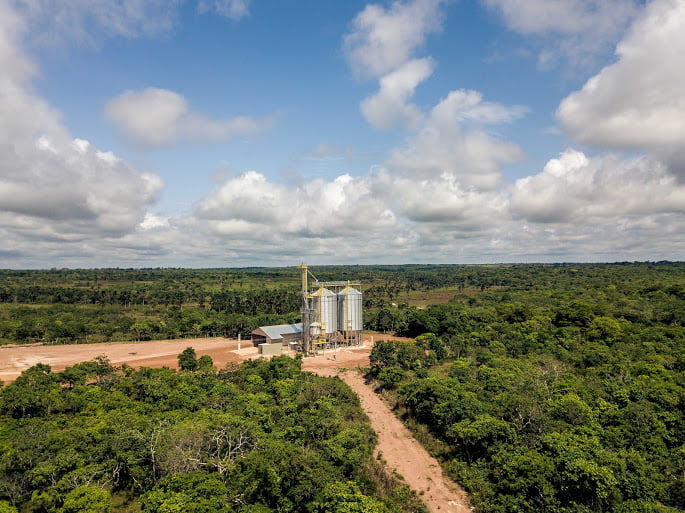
[5, 507]
[205, 363]
[187, 360]
[340, 497]
[390, 376]
[87, 499]
[193, 492]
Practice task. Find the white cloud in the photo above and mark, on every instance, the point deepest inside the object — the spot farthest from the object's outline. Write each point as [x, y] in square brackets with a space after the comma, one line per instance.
[576, 189]
[441, 186]
[87, 21]
[53, 187]
[158, 117]
[73, 190]
[638, 102]
[382, 40]
[572, 29]
[388, 108]
[473, 158]
[441, 203]
[468, 106]
[251, 206]
[232, 9]
[153, 221]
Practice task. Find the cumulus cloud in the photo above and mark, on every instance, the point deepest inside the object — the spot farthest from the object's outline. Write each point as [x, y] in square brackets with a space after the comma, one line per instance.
[441, 204]
[639, 101]
[158, 117]
[468, 106]
[232, 9]
[576, 189]
[54, 187]
[572, 29]
[381, 39]
[442, 185]
[76, 187]
[389, 107]
[251, 205]
[442, 146]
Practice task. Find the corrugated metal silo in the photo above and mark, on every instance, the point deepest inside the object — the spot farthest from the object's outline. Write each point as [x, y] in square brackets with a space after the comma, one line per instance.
[350, 310]
[325, 304]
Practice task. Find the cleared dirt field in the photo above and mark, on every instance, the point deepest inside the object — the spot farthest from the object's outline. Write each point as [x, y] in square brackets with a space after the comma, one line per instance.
[159, 353]
[14, 359]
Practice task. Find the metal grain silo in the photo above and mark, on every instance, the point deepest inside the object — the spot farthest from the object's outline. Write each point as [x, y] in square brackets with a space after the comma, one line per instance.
[325, 304]
[350, 310]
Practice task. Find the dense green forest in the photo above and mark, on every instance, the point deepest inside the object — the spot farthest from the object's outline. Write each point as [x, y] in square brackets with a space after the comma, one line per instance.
[541, 388]
[564, 391]
[99, 305]
[256, 438]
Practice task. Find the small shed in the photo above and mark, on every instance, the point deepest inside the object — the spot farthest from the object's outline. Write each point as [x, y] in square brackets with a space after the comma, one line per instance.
[282, 334]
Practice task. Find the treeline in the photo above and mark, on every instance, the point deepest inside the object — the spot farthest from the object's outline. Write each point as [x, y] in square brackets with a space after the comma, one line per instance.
[647, 294]
[63, 324]
[249, 302]
[553, 398]
[257, 438]
[98, 305]
[224, 313]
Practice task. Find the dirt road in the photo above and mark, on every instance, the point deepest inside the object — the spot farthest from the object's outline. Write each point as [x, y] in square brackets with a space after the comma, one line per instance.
[403, 454]
[396, 445]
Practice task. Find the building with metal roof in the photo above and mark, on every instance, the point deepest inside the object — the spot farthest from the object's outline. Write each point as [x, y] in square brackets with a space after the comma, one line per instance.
[282, 333]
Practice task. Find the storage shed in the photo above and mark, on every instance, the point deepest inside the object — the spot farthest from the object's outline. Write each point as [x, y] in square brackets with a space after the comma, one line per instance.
[281, 334]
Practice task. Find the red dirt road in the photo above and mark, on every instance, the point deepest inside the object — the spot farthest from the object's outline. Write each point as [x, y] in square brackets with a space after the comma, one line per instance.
[396, 445]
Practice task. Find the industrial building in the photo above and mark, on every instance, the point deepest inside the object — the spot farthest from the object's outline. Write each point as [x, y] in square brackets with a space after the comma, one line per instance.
[283, 333]
[331, 317]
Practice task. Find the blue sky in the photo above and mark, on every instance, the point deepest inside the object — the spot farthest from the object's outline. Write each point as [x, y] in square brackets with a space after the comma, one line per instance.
[209, 133]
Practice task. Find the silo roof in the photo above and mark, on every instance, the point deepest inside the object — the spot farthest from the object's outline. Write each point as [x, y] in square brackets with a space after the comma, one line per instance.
[323, 292]
[349, 291]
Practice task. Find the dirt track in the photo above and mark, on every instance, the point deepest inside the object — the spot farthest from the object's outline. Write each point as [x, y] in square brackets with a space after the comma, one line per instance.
[396, 445]
[403, 454]
[398, 448]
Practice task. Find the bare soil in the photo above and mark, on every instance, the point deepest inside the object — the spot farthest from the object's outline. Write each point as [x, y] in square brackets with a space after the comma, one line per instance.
[159, 353]
[396, 446]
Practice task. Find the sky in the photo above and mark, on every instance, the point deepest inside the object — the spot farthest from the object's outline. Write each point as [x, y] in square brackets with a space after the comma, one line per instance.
[232, 133]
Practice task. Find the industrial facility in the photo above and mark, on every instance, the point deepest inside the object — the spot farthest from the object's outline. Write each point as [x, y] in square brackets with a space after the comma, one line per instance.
[331, 318]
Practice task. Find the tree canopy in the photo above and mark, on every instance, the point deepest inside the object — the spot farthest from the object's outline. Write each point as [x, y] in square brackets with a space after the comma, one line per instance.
[263, 436]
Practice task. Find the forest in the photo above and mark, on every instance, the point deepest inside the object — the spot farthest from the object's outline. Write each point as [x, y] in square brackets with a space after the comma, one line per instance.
[563, 392]
[64, 306]
[257, 438]
[540, 388]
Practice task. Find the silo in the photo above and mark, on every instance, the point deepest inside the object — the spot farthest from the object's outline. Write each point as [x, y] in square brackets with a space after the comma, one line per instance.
[324, 303]
[315, 330]
[350, 310]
